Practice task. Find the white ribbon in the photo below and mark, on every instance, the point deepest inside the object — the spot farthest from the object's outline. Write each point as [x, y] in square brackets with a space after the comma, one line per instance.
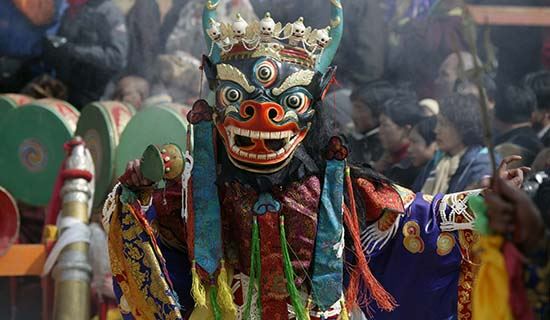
[73, 231]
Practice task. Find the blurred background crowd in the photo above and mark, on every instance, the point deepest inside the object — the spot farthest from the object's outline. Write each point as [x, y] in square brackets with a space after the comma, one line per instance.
[399, 63]
[409, 73]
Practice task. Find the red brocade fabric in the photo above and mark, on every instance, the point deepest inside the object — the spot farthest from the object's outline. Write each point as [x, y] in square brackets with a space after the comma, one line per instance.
[379, 200]
[272, 280]
[169, 225]
[299, 205]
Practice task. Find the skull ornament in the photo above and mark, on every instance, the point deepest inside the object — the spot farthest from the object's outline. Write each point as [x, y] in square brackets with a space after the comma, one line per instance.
[298, 32]
[267, 26]
[239, 28]
[322, 37]
[214, 32]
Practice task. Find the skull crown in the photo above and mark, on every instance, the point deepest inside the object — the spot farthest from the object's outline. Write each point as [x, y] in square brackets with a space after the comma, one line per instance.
[267, 33]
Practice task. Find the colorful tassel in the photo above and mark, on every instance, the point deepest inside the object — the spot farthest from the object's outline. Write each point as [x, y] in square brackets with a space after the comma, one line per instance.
[299, 309]
[254, 266]
[344, 315]
[383, 299]
[197, 289]
[491, 292]
[225, 296]
[214, 303]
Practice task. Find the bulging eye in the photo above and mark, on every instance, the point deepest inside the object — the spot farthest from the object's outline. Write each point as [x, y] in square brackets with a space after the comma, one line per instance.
[230, 95]
[298, 101]
[266, 73]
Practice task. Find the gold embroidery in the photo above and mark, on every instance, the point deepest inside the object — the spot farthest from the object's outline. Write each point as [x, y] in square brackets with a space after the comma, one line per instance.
[468, 272]
[411, 228]
[445, 243]
[412, 241]
[135, 266]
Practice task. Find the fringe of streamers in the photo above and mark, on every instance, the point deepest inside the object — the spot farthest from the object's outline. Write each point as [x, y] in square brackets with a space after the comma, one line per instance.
[225, 296]
[299, 309]
[344, 315]
[383, 299]
[197, 289]
[254, 267]
[214, 303]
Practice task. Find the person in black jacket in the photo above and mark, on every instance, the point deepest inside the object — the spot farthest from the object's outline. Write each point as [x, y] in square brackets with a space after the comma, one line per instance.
[89, 49]
[150, 23]
[513, 113]
[539, 82]
[398, 116]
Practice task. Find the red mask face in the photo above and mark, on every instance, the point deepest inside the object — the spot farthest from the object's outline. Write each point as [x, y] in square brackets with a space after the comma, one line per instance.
[264, 117]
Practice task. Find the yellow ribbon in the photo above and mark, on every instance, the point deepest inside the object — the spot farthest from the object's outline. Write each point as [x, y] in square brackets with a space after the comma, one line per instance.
[490, 297]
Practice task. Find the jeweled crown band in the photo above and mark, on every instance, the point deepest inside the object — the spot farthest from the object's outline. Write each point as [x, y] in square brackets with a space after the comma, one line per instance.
[294, 43]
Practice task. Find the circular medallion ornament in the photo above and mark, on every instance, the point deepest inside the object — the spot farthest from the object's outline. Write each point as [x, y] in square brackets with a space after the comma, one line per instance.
[445, 243]
[412, 240]
[411, 228]
[32, 155]
[413, 244]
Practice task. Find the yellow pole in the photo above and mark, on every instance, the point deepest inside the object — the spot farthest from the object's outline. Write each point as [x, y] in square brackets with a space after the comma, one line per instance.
[72, 272]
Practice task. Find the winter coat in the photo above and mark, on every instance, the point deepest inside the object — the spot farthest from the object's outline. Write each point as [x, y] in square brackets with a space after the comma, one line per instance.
[148, 35]
[95, 51]
[525, 138]
[474, 165]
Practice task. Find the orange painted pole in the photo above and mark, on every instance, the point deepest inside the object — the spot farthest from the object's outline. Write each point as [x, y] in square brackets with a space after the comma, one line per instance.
[511, 15]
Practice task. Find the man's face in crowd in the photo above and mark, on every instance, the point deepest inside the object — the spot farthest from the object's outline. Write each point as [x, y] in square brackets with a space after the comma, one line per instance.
[446, 77]
[362, 116]
[447, 137]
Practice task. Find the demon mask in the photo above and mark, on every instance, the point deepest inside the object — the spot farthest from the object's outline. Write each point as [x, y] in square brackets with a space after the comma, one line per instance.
[267, 88]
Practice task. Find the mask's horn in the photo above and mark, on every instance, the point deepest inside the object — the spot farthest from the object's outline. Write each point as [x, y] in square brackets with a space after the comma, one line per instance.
[336, 30]
[208, 15]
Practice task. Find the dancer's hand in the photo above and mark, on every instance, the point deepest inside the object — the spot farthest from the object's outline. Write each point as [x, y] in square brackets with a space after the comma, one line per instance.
[514, 176]
[512, 211]
[133, 178]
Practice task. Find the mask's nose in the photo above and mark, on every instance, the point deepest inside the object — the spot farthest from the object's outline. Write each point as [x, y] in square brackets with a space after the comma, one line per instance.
[262, 112]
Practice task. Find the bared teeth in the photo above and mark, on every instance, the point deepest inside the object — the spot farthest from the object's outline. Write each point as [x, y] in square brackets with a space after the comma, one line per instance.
[259, 134]
[288, 136]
